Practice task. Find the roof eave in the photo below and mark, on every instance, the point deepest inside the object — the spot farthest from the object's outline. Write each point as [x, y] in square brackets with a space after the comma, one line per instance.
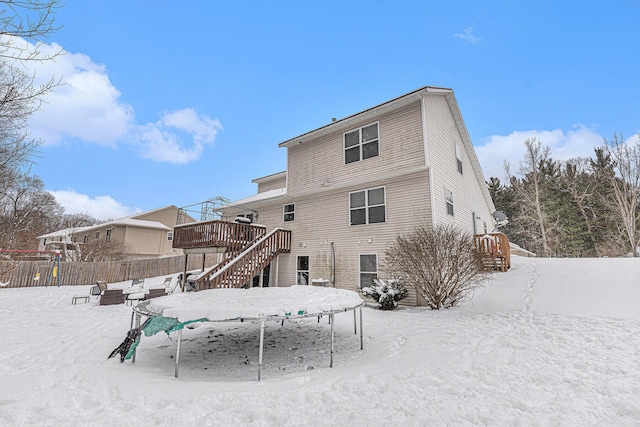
[373, 111]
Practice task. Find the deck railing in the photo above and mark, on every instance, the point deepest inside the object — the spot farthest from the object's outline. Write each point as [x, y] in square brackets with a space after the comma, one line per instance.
[232, 235]
[496, 248]
[238, 271]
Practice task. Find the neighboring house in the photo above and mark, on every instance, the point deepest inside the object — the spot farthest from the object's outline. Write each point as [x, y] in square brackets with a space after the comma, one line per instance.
[355, 184]
[143, 235]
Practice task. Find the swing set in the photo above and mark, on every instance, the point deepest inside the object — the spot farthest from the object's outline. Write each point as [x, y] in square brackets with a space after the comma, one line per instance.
[54, 257]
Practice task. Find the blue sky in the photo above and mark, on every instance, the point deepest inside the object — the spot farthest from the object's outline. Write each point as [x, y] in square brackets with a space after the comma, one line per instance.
[176, 102]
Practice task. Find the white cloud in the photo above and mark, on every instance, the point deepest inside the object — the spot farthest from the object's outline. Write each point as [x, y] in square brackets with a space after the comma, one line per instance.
[86, 106]
[100, 207]
[467, 35]
[159, 141]
[496, 149]
[89, 107]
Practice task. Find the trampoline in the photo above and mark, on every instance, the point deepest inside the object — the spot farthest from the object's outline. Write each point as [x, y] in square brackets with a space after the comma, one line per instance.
[174, 312]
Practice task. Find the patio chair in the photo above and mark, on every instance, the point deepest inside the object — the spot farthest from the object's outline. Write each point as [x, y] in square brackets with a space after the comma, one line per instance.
[156, 292]
[135, 292]
[113, 296]
[101, 285]
[93, 291]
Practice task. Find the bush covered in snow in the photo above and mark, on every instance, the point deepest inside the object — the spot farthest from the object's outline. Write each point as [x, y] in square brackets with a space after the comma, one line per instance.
[441, 264]
[386, 293]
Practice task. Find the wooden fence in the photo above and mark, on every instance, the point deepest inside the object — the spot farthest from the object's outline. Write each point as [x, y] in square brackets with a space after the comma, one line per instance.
[21, 274]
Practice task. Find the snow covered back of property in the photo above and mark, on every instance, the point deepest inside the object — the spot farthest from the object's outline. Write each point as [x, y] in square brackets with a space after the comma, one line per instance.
[254, 303]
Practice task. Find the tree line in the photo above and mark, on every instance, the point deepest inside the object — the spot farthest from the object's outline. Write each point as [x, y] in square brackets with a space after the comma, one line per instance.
[582, 207]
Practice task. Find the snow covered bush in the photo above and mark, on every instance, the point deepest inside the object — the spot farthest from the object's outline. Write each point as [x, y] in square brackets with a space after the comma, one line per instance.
[441, 264]
[386, 293]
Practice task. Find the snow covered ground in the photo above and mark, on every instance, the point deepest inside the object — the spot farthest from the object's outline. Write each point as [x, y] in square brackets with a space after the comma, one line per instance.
[551, 342]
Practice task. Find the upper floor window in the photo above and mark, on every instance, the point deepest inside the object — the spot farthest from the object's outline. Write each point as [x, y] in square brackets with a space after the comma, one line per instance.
[289, 212]
[170, 235]
[361, 143]
[108, 236]
[448, 195]
[85, 238]
[367, 207]
[459, 157]
[97, 235]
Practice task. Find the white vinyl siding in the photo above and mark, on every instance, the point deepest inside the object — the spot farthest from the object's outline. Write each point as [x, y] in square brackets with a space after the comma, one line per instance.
[319, 164]
[318, 225]
[467, 188]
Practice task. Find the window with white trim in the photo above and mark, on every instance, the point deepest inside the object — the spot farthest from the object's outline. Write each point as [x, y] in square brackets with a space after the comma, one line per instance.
[85, 238]
[367, 206]
[459, 158]
[169, 235]
[108, 235]
[448, 195]
[361, 143]
[368, 269]
[302, 270]
[288, 212]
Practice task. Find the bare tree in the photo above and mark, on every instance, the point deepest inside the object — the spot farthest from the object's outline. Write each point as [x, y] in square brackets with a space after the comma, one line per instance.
[534, 169]
[441, 264]
[23, 25]
[621, 172]
[98, 250]
[27, 212]
[24, 206]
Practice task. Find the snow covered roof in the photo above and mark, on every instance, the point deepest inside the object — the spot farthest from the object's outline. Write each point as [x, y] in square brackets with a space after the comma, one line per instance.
[127, 221]
[62, 233]
[260, 197]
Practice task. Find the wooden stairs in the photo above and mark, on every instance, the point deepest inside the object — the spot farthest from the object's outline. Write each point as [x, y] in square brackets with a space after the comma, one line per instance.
[495, 247]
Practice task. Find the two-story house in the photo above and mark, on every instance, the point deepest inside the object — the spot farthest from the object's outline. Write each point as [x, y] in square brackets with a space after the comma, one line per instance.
[352, 186]
[143, 235]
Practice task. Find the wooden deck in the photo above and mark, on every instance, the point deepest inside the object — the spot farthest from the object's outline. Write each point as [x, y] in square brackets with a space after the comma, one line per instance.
[496, 247]
[216, 234]
[249, 249]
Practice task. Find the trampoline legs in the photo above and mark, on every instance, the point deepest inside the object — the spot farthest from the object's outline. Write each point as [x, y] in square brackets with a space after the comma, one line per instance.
[355, 325]
[178, 353]
[261, 347]
[138, 317]
[361, 341]
[332, 337]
